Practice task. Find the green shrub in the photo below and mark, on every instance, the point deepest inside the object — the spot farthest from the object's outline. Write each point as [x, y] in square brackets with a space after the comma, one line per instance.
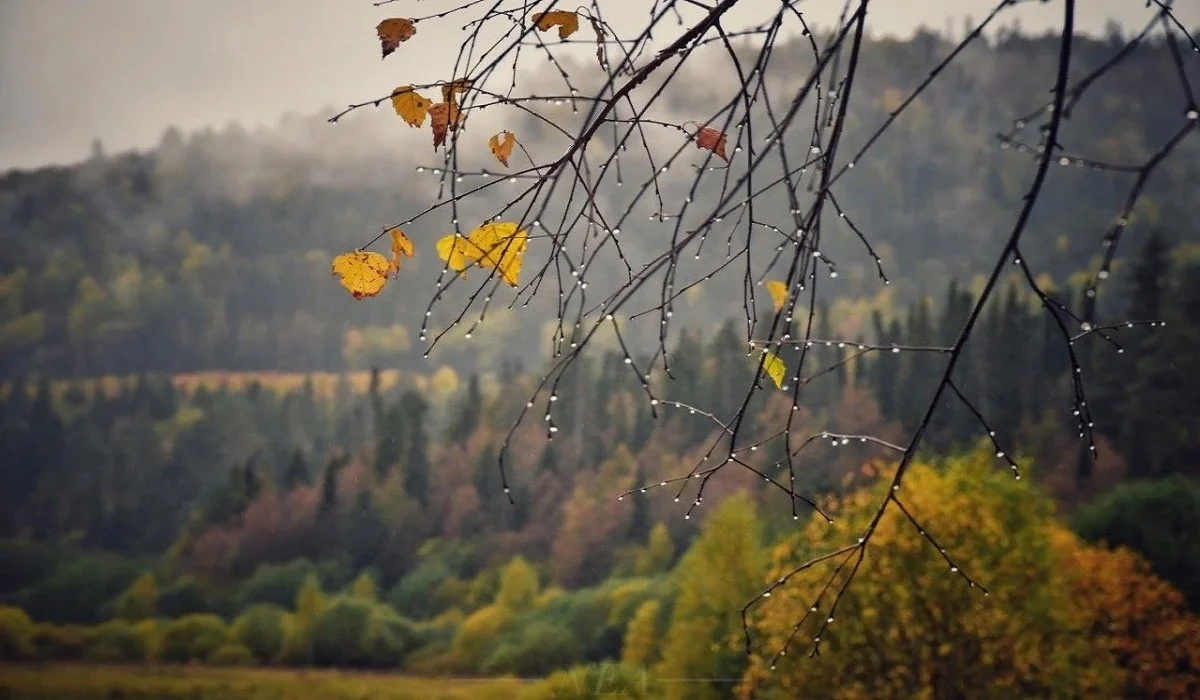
[232, 654]
[261, 629]
[358, 632]
[193, 637]
[419, 594]
[1156, 519]
[61, 642]
[16, 634]
[388, 638]
[479, 635]
[151, 633]
[81, 590]
[280, 584]
[114, 642]
[182, 597]
[607, 680]
[596, 617]
[139, 601]
[25, 563]
[542, 647]
[338, 631]
[276, 584]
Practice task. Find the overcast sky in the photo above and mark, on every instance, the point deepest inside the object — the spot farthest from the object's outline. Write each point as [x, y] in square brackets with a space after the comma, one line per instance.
[124, 70]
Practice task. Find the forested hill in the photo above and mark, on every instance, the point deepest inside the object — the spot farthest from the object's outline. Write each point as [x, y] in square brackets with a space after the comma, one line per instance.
[211, 251]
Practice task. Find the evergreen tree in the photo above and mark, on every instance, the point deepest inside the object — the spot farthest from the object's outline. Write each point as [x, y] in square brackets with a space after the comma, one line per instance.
[1130, 380]
[1164, 424]
[296, 473]
[466, 420]
[415, 455]
[329, 485]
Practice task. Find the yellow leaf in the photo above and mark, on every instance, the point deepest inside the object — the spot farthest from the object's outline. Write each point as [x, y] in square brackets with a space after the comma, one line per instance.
[410, 105]
[450, 89]
[774, 368]
[457, 252]
[363, 274]
[779, 293]
[393, 31]
[500, 245]
[502, 148]
[401, 245]
[567, 22]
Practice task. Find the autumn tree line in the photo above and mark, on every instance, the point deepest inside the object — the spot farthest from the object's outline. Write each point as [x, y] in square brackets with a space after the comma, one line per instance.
[146, 520]
[211, 250]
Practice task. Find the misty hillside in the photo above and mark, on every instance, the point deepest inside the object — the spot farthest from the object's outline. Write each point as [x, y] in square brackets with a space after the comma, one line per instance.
[211, 251]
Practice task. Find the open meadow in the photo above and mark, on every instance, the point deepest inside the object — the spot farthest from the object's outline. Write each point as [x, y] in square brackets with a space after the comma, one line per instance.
[92, 682]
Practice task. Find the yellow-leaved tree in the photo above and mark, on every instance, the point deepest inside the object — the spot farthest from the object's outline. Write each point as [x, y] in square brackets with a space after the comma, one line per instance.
[910, 626]
[702, 651]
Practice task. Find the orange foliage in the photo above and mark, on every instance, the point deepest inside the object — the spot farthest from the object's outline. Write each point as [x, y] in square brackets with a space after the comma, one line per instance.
[1140, 619]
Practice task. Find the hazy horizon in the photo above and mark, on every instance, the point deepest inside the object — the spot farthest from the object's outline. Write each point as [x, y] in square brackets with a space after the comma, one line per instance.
[125, 72]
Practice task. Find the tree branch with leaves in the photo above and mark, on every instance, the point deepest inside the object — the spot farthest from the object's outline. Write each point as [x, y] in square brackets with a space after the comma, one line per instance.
[595, 195]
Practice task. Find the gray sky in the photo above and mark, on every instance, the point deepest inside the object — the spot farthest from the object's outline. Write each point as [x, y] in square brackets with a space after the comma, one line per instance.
[124, 70]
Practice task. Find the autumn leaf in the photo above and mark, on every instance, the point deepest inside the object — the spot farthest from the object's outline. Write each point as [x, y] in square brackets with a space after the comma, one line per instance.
[567, 22]
[410, 105]
[774, 367]
[443, 116]
[363, 274]
[457, 252]
[452, 88]
[779, 293]
[500, 245]
[713, 140]
[601, 35]
[401, 245]
[502, 148]
[503, 247]
[394, 31]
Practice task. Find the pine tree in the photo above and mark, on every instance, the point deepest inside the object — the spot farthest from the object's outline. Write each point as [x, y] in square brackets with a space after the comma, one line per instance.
[296, 473]
[413, 410]
[1130, 378]
[467, 418]
[1162, 421]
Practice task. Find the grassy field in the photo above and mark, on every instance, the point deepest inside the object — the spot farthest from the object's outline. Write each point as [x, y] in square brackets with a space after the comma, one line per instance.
[96, 682]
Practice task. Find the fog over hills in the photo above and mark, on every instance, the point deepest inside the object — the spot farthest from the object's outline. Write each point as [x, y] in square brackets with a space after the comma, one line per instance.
[211, 250]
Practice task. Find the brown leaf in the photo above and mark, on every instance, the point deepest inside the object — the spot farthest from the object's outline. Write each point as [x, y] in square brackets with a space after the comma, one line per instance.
[401, 245]
[452, 88]
[567, 22]
[502, 148]
[601, 35]
[394, 31]
[444, 116]
[713, 140]
[410, 105]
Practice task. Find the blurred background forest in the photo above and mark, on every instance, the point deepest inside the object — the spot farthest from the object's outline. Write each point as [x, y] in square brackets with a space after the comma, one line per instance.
[211, 453]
